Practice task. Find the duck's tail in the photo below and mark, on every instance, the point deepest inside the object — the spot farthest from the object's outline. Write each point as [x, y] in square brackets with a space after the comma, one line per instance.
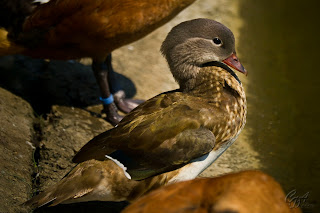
[8, 47]
[42, 199]
[12, 16]
[88, 181]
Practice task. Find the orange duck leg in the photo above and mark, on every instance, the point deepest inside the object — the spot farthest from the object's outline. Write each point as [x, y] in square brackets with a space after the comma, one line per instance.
[73, 29]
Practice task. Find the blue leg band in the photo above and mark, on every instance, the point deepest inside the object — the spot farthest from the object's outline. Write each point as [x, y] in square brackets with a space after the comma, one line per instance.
[107, 101]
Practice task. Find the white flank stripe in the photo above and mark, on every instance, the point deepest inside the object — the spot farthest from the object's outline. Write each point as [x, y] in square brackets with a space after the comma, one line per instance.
[41, 1]
[198, 165]
[120, 165]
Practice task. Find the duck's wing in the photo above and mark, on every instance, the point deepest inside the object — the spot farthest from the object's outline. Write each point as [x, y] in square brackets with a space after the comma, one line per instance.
[160, 135]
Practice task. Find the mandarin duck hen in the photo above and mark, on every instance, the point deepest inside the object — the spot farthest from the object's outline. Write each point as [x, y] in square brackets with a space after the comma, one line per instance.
[171, 137]
[241, 192]
[73, 29]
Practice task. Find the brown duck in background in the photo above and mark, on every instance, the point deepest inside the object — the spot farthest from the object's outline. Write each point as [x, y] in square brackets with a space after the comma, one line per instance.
[242, 192]
[171, 137]
[72, 29]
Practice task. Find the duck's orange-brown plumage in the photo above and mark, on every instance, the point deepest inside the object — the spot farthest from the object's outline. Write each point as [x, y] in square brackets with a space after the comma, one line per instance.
[242, 192]
[84, 28]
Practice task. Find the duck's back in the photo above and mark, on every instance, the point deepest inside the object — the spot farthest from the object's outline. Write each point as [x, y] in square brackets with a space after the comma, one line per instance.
[94, 28]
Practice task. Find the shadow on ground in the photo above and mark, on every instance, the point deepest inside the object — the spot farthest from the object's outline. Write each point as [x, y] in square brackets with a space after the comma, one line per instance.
[106, 207]
[43, 84]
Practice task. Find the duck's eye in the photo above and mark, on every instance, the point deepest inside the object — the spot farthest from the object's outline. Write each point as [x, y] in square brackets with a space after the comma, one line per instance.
[217, 41]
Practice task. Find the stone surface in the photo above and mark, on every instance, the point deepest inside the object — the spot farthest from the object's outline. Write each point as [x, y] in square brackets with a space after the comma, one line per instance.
[16, 149]
[65, 131]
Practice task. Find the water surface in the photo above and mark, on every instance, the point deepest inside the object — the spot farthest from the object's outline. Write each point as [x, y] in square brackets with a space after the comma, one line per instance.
[279, 42]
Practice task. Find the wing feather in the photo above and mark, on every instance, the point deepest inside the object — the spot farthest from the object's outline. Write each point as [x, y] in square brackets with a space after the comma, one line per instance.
[160, 135]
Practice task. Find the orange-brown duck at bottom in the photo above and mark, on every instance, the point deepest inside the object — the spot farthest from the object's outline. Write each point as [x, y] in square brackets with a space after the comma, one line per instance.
[171, 137]
[242, 192]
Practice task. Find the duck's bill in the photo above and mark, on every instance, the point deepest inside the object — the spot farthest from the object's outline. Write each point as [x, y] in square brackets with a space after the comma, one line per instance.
[233, 61]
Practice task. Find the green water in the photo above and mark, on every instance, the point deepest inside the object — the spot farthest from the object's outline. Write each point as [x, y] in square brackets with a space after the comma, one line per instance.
[279, 45]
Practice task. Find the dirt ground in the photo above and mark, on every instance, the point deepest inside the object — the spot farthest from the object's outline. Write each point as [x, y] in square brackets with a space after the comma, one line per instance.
[54, 106]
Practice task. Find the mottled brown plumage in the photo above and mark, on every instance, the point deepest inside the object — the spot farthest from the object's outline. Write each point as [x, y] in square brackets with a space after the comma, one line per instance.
[151, 133]
[173, 136]
[72, 29]
[211, 99]
[242, 192]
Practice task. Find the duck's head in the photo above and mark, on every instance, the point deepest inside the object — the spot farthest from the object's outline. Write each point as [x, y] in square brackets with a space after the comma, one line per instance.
[195, 43]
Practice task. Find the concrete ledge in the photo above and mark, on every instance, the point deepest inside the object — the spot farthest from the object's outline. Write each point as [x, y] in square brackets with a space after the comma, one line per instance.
[16, 134]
